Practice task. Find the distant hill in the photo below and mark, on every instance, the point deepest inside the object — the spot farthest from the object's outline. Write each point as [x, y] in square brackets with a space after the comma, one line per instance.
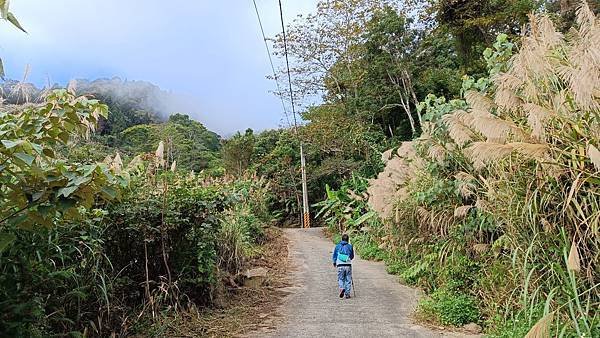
[139, 118]
[131, 102]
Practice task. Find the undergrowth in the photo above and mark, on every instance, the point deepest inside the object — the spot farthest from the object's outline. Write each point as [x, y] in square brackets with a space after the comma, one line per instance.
[496, 207]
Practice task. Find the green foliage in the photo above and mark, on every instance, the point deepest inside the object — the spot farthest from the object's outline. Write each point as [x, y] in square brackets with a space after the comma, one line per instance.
[492, 232]
[240, 230]
[237, 152]
[450, 308]
[111, 244]
[474, 24]
[187, 141]
[160, 247]
[55, 279]
[346, 209]
[38, 187]
[367, 248]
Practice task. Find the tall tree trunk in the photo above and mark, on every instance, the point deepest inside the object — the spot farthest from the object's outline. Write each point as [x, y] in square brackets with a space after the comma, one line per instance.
[404, 102]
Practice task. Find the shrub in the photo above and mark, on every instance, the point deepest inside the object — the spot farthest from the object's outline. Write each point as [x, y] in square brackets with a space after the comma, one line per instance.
[239, 231]
[450, 308]
[367, 248]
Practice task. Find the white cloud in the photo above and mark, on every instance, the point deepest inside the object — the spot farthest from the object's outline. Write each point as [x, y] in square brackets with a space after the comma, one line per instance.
[210, 51]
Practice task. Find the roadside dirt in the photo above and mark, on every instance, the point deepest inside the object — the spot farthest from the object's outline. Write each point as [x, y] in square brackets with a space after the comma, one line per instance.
[242, 309]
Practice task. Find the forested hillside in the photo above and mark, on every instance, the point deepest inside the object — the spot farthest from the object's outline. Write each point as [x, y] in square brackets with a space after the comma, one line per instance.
[492, 207]
[455, 140]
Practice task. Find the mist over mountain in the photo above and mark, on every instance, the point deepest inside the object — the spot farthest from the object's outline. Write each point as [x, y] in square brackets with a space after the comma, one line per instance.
[141, 98]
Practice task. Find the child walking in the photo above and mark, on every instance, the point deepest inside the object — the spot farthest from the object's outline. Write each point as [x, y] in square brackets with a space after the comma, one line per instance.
[343, 254]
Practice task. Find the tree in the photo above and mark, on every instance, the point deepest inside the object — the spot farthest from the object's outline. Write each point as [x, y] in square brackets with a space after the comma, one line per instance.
[324, 45]
[475, 24]
[186, 141]
[237, 152]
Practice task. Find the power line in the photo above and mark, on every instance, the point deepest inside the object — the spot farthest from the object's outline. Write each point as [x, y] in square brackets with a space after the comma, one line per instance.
[305, 206]
[262, 31]
[287, 63]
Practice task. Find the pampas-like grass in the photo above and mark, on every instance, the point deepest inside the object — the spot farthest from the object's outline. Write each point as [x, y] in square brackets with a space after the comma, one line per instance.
[437, 153]
[536, 117]
[541, 329]
[136, 160]
[481, 248]
[594, 155]
[117, 163]
[536, 151]
[462, 211]
[479, 102]
[496, 129]
[582, 71]
[573, 261]
[160, 154]
[457, 123]
[465, 184]
[482, 153]
[505, 96]
[160, 150]
[482, 205]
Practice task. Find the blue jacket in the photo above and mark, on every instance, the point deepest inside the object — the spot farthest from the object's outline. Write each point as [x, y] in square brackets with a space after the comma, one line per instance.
[337, 249]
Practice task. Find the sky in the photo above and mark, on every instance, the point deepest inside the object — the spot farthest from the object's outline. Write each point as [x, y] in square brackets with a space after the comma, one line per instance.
[209, 51]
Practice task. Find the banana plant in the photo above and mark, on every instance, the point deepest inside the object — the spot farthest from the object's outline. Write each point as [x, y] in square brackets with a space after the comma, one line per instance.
[347, 207]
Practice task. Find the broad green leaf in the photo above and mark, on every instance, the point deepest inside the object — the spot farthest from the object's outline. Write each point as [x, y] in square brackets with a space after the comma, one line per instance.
[64, 136]
[36, 196]
[11, 17]
[44, 210]
[89, 169]
[109, 192]
[48, 152]
[5, 240]
[80, 180]
[67, 191]
[66, 203]
[28, 159]
[11, 144]
[40, 219]
[36, 147]
[364, 218]
[2, 70]
[21, 221]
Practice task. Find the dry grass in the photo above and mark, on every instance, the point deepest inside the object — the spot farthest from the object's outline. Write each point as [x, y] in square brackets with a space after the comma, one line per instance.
[594, 155]
[458, 127]
[542, 328]
[462, 211]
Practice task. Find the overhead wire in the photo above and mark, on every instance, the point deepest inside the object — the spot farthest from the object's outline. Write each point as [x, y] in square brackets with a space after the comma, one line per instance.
[287, 63]
[305, 206]
[279, 92]
[305, 216]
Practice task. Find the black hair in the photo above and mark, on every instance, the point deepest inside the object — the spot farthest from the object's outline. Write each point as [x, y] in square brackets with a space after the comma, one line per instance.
[345, 237]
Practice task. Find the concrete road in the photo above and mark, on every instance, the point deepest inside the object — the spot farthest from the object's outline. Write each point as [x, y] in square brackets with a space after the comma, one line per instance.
[382, 307]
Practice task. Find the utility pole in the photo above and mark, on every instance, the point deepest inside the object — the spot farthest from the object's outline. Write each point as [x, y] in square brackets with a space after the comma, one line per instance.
[305, 215]
[306, 211]
[305, 207]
